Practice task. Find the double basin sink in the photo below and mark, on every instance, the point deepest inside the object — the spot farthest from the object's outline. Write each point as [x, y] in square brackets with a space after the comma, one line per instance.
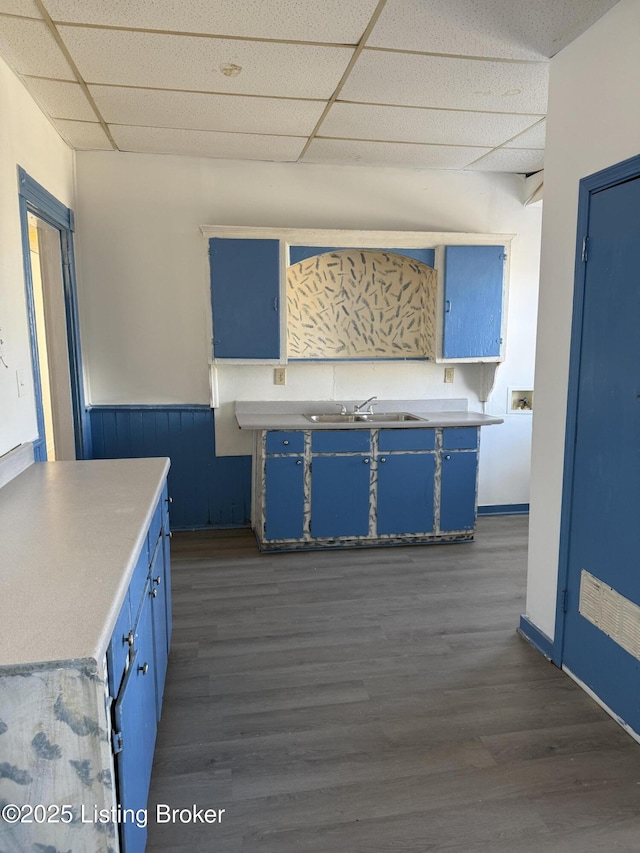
[364, 417]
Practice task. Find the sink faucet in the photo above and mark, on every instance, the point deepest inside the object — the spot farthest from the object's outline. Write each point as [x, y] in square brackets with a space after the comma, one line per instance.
[361, 406]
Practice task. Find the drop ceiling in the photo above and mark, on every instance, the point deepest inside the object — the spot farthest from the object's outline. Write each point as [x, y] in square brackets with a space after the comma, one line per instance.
[436, 84]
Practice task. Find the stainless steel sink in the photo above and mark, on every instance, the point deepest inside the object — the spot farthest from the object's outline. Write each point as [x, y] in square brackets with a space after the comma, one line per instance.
[364, 417]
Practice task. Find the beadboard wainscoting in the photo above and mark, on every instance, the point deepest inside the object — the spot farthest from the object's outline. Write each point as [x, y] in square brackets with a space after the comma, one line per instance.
[207, 490]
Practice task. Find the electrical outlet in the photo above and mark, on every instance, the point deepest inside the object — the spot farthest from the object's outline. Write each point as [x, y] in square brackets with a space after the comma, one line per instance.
[449, 373]
[280, 376]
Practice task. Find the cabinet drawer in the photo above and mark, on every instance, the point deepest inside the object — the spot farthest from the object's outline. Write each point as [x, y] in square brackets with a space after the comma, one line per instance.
[407, 439]
[118, 650]
[460, 438]
[138, 582]
[341, 441]
[279, 441]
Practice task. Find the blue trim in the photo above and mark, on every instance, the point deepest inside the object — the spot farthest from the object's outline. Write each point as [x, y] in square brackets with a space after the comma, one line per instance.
[34, 198]
[627, 170]
[534, 635]
[504, 509]
[208, 491]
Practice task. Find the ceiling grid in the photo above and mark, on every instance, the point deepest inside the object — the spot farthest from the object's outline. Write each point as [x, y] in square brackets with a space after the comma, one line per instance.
[435, 84]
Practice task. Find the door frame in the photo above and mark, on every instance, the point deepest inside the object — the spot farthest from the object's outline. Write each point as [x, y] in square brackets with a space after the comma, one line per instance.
[34, 198]
[627, 170]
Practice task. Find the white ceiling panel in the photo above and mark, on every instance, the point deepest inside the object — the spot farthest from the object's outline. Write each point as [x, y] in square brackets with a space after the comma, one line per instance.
[211, 65]
[355, 152]
[511, 29]
[242, 114]
[202, 143]
[403, 124]
[26, 8]
[434, 81]
[534, 138]
[30, 48]
[510, 160]
[341, 21]
[61, 100]
[83, 135]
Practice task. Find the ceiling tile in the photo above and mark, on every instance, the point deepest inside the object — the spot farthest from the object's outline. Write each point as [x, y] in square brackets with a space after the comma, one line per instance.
[243, 114]
[29, 48]
[390, 154]
[403, 124]
[202, 143]
[61, 100]
[510, 160]
[511, 29]
[434, 81]
[204, 64]
[26, 8]
[83, 134]
[341, 21]
[533, 138]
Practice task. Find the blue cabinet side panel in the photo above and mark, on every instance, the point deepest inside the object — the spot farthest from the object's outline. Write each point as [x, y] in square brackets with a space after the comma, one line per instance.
[207, 490]
[340, 496]
[473, 301]
[245, 288]
[458, 493]
[406, 493]
[284, 499]
[301, 253]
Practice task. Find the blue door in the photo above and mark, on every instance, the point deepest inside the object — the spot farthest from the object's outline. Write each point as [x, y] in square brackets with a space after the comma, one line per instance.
[473, 281]
[245, 288]
[604, 519]
[340, 496]
[405, 493]
[284, 501]
[458, 491]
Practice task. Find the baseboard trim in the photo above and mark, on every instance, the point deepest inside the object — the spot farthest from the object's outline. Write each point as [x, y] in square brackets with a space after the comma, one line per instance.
[535, 637]
[602, 704]
[504, 509]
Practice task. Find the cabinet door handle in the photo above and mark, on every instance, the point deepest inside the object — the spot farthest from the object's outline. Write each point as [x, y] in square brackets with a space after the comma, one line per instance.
[366, 460]
[447, 306]
[383, 459]
[128, 639]
[153, 593]
[285, 441]
[447, 457]
[158, 579]
[144, 669]
[298, 461]
[169, 500]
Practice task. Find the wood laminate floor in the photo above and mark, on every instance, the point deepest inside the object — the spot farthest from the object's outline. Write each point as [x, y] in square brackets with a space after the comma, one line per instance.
[377, 701]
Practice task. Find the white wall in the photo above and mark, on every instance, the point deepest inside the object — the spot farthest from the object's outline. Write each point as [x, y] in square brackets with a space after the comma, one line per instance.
[144, 286]
[594, 122]
[26, 139]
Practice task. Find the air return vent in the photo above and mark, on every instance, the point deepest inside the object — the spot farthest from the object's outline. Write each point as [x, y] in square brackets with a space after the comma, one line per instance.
[614, 614]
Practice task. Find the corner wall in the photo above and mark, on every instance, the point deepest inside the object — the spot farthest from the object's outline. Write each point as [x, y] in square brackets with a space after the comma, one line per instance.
[26, 139]
[593, 122]
[144, 292]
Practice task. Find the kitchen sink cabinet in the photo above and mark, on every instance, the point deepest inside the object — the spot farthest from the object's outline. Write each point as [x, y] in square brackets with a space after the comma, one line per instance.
[344, 488]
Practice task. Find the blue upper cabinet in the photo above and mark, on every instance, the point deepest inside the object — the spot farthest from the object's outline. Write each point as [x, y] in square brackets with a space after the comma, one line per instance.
[473, 295]
[245, 295]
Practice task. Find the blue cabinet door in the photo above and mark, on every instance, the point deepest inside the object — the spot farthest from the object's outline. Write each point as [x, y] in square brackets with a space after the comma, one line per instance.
[405, 493]
[158, 595]
[340, 496]
[135, 721]
[284, 497]
[458, 491]
[473, 282]
[245, 288]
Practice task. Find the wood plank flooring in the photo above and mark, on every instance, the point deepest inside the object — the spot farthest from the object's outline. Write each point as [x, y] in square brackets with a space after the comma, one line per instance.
[376, 701]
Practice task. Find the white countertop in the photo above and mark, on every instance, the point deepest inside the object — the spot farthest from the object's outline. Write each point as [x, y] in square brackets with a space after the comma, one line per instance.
[70, 535]
[291, 415]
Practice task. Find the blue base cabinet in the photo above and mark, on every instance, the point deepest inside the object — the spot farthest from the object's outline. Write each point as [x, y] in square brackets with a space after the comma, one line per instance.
[350, 488]
[137, 664]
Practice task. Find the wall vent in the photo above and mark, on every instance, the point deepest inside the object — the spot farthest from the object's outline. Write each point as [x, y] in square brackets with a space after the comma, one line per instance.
[614, 614]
